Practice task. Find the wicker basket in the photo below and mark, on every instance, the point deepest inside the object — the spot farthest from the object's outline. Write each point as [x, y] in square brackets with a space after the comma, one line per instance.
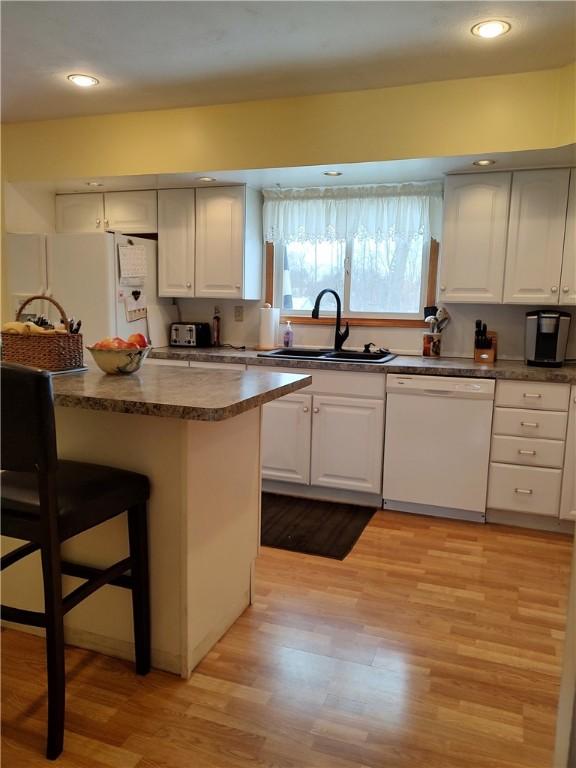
[58, 352]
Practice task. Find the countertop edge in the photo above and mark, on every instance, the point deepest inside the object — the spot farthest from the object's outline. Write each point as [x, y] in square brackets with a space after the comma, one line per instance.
[180, 412]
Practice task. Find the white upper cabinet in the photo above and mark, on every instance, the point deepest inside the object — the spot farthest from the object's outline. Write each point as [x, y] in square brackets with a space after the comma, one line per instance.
[80, 213]
[474, 237]
[229, 243]
[131, 212]
[536, 237]
[568, 281]
[176, 242]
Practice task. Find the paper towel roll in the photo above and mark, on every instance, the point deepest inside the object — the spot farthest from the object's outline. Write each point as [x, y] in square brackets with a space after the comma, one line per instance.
[269, 320]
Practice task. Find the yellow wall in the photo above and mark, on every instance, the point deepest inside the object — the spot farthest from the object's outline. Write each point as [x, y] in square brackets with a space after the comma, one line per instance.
[529, 110]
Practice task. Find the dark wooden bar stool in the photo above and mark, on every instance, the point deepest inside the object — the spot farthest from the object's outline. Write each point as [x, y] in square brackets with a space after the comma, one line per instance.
[46, 501]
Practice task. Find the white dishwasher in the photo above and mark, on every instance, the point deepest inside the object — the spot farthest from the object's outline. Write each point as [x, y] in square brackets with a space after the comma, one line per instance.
[437, 445]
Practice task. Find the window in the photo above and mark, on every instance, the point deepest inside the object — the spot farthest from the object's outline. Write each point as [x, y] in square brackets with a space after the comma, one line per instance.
[370, 244]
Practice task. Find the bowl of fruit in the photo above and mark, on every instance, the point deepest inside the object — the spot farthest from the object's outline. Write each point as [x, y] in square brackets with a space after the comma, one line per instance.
[118, 356]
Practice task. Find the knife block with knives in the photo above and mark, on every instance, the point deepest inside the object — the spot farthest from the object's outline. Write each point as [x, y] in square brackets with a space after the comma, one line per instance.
[485, 344]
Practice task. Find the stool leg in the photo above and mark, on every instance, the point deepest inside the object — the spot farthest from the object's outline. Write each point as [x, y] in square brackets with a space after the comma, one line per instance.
[54, 650]
[138, 536]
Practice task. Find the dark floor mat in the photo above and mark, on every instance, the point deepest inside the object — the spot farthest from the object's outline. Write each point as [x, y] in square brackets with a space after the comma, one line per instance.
[312, 527]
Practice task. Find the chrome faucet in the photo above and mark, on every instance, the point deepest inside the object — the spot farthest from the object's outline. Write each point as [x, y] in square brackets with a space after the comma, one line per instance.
[339, 336]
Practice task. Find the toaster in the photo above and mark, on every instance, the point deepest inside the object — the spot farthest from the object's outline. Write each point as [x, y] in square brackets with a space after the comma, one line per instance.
[190, 335]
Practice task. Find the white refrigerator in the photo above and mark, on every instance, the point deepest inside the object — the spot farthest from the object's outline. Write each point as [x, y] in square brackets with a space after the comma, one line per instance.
[80, 271]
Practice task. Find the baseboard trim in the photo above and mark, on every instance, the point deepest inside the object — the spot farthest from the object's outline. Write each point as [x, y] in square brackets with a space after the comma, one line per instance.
[107, 646]
[523, 520]
[431, 511]
[337, 495]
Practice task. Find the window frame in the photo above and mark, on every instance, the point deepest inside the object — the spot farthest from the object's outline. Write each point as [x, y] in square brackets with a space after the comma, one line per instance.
[401, 319]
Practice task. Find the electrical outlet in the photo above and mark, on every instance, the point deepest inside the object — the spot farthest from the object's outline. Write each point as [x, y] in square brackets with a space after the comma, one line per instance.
[217, 309]
[239, 313]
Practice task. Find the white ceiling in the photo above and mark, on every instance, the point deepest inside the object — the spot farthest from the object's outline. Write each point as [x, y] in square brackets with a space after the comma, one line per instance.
[393, 171]
[153, 55]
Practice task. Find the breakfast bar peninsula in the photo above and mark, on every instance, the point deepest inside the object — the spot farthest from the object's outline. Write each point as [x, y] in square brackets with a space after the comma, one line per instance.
[196, 434]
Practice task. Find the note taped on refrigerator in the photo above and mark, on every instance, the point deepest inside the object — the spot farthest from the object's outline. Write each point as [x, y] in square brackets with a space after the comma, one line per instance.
[132, 262]
[136, 307]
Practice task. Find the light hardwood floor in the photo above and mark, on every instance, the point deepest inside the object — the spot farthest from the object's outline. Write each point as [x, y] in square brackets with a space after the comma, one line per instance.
[435, 644]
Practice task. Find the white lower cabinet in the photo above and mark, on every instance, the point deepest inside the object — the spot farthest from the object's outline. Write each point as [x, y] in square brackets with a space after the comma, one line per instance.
[327, 440]
[286, 431]
[347, 443]
[568, 503]
[528, 445]
[534, 490]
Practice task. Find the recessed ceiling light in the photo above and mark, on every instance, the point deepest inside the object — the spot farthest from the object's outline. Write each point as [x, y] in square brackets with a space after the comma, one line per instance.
[489, 29]
[332, 173]
[83, 81]
[206, 178]
[483, 162]
[94, 184]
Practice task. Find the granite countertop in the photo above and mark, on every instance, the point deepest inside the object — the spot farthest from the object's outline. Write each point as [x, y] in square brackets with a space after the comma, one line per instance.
[514, 370]
[177, 393]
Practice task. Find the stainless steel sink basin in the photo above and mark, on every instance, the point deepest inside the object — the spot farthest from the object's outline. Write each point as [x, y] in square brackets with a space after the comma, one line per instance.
[328, 355]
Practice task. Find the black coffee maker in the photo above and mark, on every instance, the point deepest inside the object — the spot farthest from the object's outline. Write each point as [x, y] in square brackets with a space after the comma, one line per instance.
[546, 337]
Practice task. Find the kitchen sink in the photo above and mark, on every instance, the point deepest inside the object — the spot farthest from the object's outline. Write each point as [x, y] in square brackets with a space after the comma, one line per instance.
[329, 355]
[295, 353]
[360, 357]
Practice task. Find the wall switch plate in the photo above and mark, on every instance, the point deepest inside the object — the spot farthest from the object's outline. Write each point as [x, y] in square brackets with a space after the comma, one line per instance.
[239, 313]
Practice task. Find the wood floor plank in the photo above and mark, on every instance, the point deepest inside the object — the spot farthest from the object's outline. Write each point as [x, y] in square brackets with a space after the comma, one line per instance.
[435, 644]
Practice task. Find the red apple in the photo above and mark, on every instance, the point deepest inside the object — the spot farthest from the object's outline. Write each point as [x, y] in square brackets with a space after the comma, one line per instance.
[138, 339]
[105, 343]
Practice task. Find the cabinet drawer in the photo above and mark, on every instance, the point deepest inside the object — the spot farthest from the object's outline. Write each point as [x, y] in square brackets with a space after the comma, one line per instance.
[549, 425]
[540, 396]
[524, 489]
[340, 382]
[528, 451]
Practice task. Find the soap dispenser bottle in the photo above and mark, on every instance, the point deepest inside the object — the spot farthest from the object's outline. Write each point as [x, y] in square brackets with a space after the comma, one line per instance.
[288, 335]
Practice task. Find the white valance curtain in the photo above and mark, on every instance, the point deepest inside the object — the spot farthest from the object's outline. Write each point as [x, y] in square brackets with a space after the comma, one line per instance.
[378, 212]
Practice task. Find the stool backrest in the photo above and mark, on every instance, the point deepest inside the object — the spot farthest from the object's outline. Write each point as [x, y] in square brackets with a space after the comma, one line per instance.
[27, 420]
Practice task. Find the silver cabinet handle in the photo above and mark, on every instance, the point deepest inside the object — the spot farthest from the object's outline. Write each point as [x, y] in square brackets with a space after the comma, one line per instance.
[529, 424]
[188, 285]
[106, 222]
[442, 287]
[523, 452]
[525, 491]
[554, 289]
[98, 222]
[316, 410]
[533, 395]
[305, 409]
[566, 289]
[238, 286]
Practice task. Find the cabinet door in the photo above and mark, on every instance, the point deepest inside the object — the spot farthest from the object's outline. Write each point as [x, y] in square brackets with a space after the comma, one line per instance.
[347, 443]
[80, 213]
[220, 242]
[286, 430]
[176, 244]
[474, 237]
[568, 282]
[568, 501]
[536, 236]
[131, 212]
